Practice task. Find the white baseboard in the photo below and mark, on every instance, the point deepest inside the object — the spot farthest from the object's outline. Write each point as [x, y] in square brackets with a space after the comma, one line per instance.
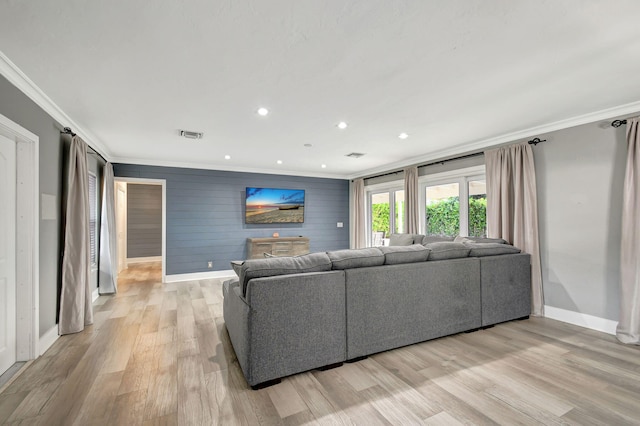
[48, 339]
[132, 260]
[199, 276]
[583, 320]
[94, 295]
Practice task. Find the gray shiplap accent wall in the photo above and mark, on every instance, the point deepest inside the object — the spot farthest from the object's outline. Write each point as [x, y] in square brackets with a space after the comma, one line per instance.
[205, 214]
[144, 220]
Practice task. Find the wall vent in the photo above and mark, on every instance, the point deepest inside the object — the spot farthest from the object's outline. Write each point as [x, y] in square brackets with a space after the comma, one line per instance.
[191, 135]
[355, 155]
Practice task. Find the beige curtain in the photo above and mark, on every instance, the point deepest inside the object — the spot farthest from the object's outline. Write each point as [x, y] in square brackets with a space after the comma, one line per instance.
[359, 217]
[628, 330]
[75, 299]
[512, 207]
[107, 282]
[412, 215]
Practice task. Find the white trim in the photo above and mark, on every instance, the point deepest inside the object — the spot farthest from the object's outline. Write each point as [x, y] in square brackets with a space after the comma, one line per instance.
[472, 146]
[131, 261]
[94, 295]
[48, 339]
[582, 320]
[162, 182]
[27, 237]
[200, 276]
[16, 77]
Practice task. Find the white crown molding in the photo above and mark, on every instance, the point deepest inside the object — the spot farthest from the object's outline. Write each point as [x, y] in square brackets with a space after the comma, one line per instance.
[201, 166]
[605, 114]
[11, 72]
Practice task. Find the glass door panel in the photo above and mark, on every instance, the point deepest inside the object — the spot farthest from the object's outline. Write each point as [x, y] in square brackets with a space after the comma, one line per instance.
[443, 209]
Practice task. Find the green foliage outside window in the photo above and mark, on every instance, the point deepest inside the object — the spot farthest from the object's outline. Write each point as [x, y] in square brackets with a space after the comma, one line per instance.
[380, 217]
[443, 217]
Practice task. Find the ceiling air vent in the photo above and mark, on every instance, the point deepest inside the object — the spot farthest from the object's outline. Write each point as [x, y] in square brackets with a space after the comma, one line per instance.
[355, 155]
[191, 135]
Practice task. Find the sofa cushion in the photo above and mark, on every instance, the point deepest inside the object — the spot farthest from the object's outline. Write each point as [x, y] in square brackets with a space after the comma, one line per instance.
[483, 240]
[256, 268]
[405, 254]
[400, 239]
[447, 250]
[435, 239]
[356, 258]
[490, 249]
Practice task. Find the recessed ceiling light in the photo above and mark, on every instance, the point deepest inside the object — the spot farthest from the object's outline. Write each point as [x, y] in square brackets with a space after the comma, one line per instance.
[227, 157]
[324, 166]
[403, 135]
[342, 125]
[279, 161]
[263, 111]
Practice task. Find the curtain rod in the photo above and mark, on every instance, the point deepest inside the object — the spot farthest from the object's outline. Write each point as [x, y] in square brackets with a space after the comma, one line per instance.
[441, 162]
[618, 123]
[68, 131]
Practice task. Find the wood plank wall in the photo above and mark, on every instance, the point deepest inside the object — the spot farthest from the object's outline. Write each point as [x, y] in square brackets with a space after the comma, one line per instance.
[205, 214]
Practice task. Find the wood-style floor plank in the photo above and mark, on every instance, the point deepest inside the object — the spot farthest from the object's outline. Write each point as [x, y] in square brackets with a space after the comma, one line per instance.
[159, 354]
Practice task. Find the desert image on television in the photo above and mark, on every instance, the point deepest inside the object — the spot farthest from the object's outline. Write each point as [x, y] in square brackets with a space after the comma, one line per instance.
[268, 205]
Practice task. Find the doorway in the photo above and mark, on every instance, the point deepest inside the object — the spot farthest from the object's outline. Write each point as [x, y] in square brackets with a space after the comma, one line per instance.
[19, 244]
[136, 224]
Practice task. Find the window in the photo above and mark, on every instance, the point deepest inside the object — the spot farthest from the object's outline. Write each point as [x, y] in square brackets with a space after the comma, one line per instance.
[386, 212]
[455, 203]
[93, 218]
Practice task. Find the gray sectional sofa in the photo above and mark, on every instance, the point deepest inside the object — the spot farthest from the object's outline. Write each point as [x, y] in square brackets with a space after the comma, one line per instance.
[289, 315]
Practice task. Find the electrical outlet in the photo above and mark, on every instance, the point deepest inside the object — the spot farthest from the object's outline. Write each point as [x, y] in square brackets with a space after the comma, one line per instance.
[210, 264]
[340, 224]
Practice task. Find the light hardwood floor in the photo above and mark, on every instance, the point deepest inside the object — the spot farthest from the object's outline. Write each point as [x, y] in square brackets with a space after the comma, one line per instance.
[160, 354]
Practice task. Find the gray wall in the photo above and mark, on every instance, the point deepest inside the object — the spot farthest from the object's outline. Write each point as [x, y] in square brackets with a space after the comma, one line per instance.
[580, 174]
[205, 214]
[144, 220]
[20, 109]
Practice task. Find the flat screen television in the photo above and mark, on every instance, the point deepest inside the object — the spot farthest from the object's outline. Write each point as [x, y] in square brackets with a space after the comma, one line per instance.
[274, 205]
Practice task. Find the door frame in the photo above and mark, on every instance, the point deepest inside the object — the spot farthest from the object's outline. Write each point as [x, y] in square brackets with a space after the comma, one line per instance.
[163, 183]
[27, 238]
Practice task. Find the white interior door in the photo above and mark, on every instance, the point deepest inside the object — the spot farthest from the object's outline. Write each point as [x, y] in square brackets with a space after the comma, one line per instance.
[121, 223]
[7, 253]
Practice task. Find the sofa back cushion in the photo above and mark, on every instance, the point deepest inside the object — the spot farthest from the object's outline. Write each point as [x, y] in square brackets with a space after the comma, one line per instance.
[490, 249]
[483, 240]
[256, 268]
[428, 239]
[405, 254]
[356, 258]
[447, 250]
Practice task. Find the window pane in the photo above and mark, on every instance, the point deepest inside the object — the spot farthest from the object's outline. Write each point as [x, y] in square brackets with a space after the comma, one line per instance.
[379, 217]
[443, 209]
[399, 222]
[478, 208]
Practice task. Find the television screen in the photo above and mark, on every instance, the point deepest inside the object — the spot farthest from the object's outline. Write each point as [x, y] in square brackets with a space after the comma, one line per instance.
[271, 205]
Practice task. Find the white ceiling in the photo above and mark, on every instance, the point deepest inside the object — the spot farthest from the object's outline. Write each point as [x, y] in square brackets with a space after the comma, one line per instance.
[455, 75]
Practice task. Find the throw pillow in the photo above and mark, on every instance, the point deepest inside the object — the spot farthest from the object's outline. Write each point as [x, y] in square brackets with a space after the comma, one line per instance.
[356, 258]
[405, 254]
[400, 239]
[236, 265]
[447, 250]
[490, 249]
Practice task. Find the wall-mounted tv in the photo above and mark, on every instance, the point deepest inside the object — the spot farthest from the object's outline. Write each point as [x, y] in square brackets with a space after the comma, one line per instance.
[273, 205]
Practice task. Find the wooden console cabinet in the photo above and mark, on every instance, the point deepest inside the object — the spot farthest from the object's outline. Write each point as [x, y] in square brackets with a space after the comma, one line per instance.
[282, 246]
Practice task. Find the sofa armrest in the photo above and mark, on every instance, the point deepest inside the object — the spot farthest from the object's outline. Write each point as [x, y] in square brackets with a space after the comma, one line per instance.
[297, 323]
[236, 318]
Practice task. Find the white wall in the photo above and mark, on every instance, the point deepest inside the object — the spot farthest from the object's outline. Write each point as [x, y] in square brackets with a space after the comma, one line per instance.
[580, 175]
